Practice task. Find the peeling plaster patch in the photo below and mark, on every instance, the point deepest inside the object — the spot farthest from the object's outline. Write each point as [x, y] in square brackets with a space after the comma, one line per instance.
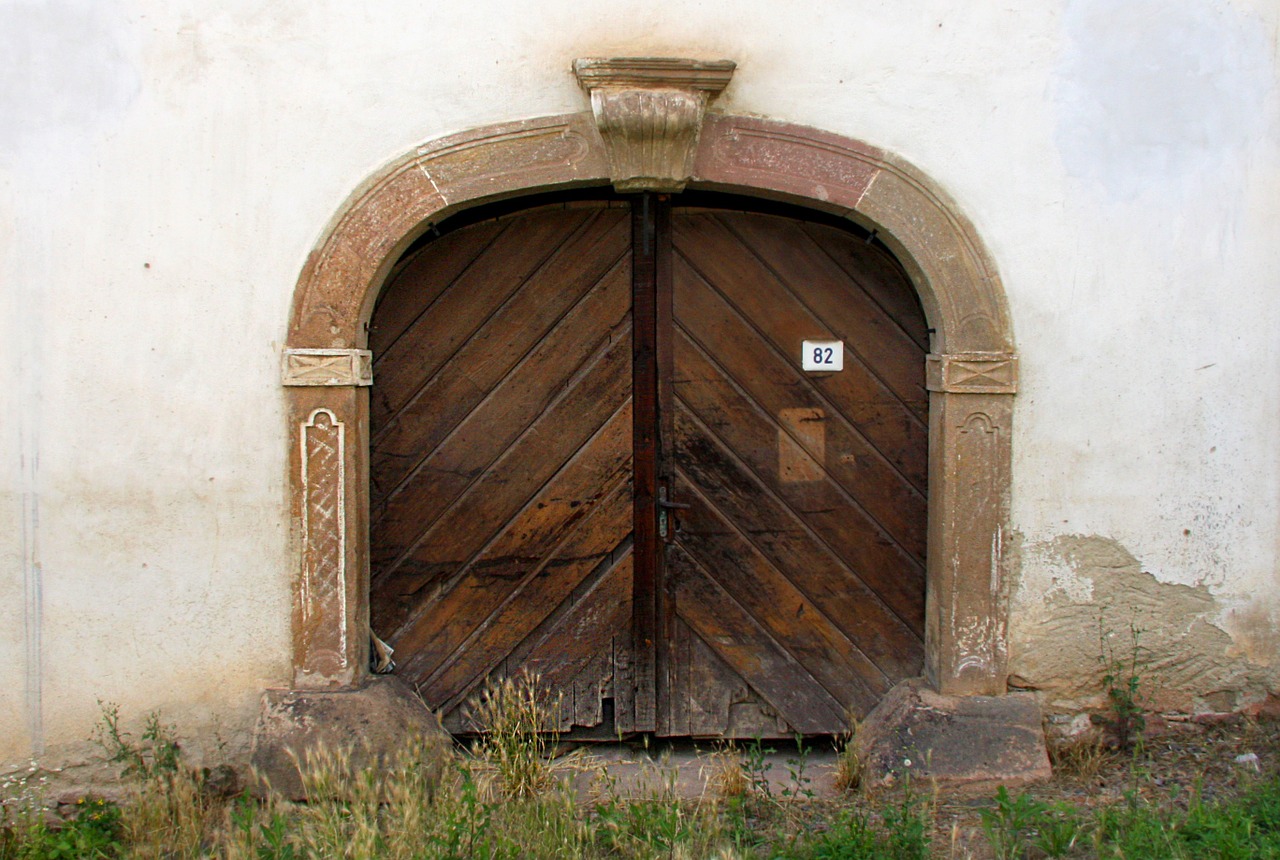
[1154, 93]
[1076, 588]
[1255, 629]
[1047, 572]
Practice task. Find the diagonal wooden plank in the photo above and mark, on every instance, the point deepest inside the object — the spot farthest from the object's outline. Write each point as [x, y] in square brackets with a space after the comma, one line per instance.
[764, 299]
[531, 397]
[889, 428]
[830, 294]
[805, 453]
[783, 537]
[712, 700]
[896, 578]
[877, 274]
[480, 290]
[502, 374]
[419, 280]
[595, 252]
[799, 433]
[717, 617]
[508, 496]
[504, 614]
[828, 653]
[583, 640]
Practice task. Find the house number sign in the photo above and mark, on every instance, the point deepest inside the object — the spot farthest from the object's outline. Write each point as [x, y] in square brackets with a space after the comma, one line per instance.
[822, 355]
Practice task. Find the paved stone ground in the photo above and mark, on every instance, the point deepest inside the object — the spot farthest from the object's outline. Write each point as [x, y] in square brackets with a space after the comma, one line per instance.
[960, 744]
[688, 771]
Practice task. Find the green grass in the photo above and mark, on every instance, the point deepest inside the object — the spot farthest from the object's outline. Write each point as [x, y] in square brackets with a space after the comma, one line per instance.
[1243, 827]
[506, 799]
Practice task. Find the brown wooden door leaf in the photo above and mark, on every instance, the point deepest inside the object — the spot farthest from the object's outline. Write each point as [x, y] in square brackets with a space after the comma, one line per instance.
[595, 459]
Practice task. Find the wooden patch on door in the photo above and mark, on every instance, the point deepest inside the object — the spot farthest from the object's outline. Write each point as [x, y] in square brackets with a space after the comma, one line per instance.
[802, 445]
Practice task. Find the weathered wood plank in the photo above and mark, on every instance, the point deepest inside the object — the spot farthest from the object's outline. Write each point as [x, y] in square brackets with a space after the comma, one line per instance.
[510, 617]
[480, 290]
[552, 385]
[888, 430]
[596, 253]
[576, 656]
[853, 316]
[856, 538]
[877, 274]
[782, 537]
[537, 337]
[894, 536]
[720, 621]
[874, 306]
[509, 521]
[719, 703]
[880, 482]
[829, 655]
[419, 281]
[756, 288]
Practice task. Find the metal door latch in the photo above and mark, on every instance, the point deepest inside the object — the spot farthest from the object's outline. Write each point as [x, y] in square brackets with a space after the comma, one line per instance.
[663, 506]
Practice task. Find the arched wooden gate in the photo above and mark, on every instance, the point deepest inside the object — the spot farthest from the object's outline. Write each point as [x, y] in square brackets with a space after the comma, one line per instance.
[596, 456]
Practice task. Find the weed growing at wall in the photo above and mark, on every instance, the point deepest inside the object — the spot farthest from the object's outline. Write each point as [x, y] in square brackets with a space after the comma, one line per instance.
[1122, 681]
[155, 755]
[94, 832]
[518, 725]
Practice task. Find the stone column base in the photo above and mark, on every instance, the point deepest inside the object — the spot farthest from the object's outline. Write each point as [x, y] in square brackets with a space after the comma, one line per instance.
[374, 722]
[965, 744]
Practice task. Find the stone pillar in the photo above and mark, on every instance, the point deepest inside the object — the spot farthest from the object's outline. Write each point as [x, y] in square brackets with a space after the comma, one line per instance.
[970, 415]
[326, 399]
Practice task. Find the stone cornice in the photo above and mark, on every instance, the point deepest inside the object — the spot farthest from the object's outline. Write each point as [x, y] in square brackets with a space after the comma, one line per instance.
[653, 73]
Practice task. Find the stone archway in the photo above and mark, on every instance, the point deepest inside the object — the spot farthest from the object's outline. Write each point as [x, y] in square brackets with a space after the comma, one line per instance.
[971, 371]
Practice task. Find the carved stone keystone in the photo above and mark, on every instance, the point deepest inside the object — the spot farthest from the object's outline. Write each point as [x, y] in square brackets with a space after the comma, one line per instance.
[649, 111]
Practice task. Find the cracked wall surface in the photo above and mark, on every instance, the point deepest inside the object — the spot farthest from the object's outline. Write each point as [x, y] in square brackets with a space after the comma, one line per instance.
[1084, 605]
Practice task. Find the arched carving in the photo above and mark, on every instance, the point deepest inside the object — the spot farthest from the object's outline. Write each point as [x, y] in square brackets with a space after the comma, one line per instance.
[972, 372]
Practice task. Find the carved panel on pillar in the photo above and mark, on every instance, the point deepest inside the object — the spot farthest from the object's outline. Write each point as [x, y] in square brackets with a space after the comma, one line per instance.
[327, 367]
[649, 112]
[967, 624]
[975, 640]
[973, 373]
[322, 598]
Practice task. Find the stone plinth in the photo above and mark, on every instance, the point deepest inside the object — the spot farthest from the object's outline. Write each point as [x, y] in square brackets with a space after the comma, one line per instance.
[375, 721]
[969, 744]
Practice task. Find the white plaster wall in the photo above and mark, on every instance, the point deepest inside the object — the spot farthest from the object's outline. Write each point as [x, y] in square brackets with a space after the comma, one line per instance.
[166, 166]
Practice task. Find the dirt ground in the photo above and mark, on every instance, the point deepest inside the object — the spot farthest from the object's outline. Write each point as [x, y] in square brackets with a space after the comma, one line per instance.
[1181, 758]
[1212, 758]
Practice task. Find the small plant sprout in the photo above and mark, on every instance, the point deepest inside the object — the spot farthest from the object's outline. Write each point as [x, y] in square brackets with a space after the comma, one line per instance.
[848, 764]
[1122, 683]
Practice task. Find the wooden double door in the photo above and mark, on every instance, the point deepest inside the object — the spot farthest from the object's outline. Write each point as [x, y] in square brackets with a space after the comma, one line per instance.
[596, 458]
